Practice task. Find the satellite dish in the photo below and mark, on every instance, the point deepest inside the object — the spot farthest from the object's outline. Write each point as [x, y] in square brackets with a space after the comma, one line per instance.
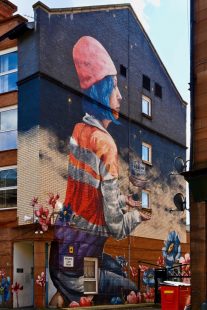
[180, 202]
[179, 164]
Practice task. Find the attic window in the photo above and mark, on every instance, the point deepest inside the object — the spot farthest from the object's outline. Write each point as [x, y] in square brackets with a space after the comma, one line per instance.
[158, 90]
[146, 82]
[123, 70]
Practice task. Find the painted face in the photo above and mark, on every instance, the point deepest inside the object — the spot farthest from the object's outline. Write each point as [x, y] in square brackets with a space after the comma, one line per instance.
[115, 99]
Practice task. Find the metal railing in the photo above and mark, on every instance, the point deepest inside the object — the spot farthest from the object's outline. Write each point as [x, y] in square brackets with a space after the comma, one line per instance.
[177, 273]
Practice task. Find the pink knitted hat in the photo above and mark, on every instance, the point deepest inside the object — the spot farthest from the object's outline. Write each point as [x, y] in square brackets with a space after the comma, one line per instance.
[92, 61]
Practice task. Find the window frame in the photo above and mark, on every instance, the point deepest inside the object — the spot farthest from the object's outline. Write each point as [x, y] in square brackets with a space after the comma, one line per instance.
[148, 200]
[92, 259]
[149, 100]
[8, 187]
[149, 146]
[13, 142]
[4, 52]
[4, 109]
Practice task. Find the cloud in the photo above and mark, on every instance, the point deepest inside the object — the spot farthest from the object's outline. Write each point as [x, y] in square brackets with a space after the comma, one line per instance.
[25, 6]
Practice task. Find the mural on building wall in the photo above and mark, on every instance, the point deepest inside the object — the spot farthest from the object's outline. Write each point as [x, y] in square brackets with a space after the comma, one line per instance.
[103, 184]
[172, 249]
[5, 283]
[16, 288]
[169, 266]
[94, 207]
[106, 177]
[60, 110]
[6, 289]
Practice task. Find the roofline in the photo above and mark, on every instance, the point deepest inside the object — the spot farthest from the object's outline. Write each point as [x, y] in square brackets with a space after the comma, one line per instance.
[14, 32]
[9, 3]
[13, 17]
[110, 7]
[81, 8]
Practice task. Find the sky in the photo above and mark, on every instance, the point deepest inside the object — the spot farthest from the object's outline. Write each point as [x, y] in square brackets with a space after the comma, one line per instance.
[165, 21]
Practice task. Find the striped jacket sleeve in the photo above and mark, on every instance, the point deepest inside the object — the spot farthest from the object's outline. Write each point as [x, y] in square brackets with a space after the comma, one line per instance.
[119, 224]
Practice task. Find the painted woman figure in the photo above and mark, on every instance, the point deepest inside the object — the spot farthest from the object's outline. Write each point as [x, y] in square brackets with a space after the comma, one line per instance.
[93, 194]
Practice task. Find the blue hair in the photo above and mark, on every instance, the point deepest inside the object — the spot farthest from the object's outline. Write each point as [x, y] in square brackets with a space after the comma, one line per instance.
[96, 101]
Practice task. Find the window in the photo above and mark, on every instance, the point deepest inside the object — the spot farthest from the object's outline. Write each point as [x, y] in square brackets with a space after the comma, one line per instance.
[146, 153]
[146, 82]
[146, 105]
[8, 70]
[90, 275]
[145, 199]
[8, 128]
[158, 90]
[123, 70]
[8, 187]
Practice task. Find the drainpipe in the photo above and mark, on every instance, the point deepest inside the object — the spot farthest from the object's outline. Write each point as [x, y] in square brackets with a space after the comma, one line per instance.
[192, 80]
[192, 92]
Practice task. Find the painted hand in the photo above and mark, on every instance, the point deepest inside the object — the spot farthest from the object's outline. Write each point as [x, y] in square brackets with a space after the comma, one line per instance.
[133, 203]
[145, 216]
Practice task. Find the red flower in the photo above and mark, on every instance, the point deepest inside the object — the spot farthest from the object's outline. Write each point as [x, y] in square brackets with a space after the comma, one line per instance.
[16, 288]
[132, 298]
[134, 271]
[2, 273]
[143, 268]
[43, 217]
[161, 261]
[74, 304]
[149, 295]
[85, 302]
[34, 201]
[53, 199]
[185, 261]
[41, 280]
[139, 297]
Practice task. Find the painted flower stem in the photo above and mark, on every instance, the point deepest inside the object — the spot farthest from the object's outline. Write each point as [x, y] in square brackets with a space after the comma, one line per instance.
[17, 297]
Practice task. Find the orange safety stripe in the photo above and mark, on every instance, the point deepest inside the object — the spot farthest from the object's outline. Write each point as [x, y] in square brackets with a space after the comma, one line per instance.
[81, 165]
